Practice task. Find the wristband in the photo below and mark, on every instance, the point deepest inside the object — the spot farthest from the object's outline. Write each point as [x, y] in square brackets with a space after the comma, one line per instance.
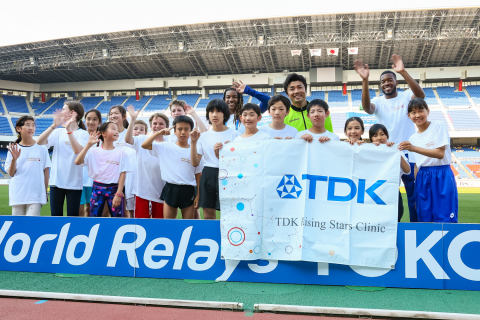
[69, 132]
[117, 194]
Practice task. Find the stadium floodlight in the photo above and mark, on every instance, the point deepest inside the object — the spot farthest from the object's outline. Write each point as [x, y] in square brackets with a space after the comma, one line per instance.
[261, 40]
[181, 46]
[32, 61]
[389, 34]
[105, 53]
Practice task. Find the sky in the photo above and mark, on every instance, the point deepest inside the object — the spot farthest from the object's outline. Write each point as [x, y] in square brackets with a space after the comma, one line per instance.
[37, 20]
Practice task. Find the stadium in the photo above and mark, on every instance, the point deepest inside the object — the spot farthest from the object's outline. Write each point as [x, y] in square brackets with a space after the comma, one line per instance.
[150, 67]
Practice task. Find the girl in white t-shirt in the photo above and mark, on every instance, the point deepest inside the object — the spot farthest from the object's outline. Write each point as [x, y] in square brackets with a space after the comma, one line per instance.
[66, 179]
[107, 165]
[378, 134]
[436, 196]
[354, 129]
[93, 118]
[27, 164]
[148, 179]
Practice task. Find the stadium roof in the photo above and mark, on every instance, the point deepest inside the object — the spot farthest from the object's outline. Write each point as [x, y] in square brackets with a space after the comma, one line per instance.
[424, 38]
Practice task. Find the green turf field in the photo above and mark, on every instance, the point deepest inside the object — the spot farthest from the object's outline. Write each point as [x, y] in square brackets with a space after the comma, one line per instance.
[469, 203]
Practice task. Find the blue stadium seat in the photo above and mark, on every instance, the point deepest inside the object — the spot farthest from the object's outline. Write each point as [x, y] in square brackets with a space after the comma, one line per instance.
[336, 99]
[39, 107]
[438, 116]
[90, 102]
[5, 129]
[317, 95]
[190, 99]
[55, 106]
[158, 103]
[202, 104]
[357, 97]
[451, 98]
[474, 92]
[464, 120]
[105, 106]
[137, 104]
[16, 104]
[3, 157]
[430, 97]
[338, 121]
[41, 124]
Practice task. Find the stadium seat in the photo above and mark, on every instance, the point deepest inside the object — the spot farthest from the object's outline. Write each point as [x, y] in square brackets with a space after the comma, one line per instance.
[338, 121]
[90, 102]
[55, 106]
[202, 104]
[316, 95]
[438, 116]
[137, 104]
[105, 106]
[336, 99]
[474, 92]
[451, 98]
[16, 104]
[39, 107]
[3, 157]
[430, 97]
[5, 129]
[357, 97]
[158, 103]
[464, 120]
[475, 169]
[190, 99]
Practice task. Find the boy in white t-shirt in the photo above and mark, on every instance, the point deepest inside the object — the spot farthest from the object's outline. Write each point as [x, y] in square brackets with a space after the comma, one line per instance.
[250, 115]
[179, 174]
[149, 182]
[207, 145]
[278, 108]
[436, 195]
[317, 112]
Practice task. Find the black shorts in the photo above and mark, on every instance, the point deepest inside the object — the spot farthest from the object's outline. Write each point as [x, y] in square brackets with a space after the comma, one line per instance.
[178, 196]
[209, 197]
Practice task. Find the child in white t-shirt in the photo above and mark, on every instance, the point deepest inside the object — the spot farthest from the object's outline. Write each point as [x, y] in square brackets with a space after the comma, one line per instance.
[107, 165]
[354, 129]
[317, 112]
[250, 115]
[27, 164]
[179, 174]
[205, 147]
[378, 134]
[436, 195]
[278, 108]
[149, 182]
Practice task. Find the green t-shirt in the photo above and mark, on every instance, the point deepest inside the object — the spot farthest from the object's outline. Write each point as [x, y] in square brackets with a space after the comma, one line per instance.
[298, 119]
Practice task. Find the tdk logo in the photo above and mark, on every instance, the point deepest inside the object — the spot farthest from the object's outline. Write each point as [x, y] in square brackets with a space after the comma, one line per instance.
[289, 188]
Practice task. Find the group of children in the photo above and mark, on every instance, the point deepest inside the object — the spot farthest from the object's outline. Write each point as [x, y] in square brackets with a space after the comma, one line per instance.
[118, 169]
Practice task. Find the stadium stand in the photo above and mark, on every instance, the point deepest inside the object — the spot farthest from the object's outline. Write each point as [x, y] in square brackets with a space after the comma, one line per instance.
[475, 169]
[458, 172]
[439, 116]
[158, 104]
[338, 121]
[317, 95]
[39, 107]
[90, 102]
[16, 104]
[474, 92]
[3, 158]
[336, 99]
[137, 104]
[56, 105]
[466, 152]
[105, 106]
[449, 97]
[464, 120]
[202, 104]
[190, 98]
[430, 97]
[357, 97]
[5, 129]
[41, 124]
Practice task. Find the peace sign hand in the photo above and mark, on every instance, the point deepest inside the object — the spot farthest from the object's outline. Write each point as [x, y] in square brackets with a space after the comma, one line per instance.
[164, 132]
[14, 151]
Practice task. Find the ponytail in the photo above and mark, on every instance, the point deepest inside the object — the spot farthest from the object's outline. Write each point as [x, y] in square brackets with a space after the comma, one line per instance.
[81, 125]
[19, 138]
[125, 124]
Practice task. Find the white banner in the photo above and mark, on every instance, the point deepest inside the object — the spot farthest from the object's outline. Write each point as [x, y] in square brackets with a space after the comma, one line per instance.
[316, 52]
[293, 200]
[296, 52]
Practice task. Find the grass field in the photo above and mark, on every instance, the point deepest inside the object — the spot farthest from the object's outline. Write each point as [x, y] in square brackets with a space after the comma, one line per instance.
[469, 207]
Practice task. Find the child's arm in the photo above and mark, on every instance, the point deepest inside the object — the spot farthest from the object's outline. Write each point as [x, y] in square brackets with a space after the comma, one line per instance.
[147, 144]
[57, 121]
[129, 134]
[198, 176]
[117, 200]
[15, 154]
[93, 139]
[405, 166]
[46, 174]
[198, 122]
[217, 147]
[77, 147]
[437, 153]
[415, 171]
[196, 158]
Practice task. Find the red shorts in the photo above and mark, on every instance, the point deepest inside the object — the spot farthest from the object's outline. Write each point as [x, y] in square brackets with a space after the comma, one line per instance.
[142, 208]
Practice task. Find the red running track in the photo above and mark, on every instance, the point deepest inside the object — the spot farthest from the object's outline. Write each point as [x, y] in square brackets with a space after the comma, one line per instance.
[17, 309]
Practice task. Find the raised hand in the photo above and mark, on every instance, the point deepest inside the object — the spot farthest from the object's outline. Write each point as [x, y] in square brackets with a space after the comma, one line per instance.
[14, 151]
[57, 118]
[93, 138]
[239, 86]
[397, 63]
[307, 137]
[194, 135]
[132, 112]
[362, 69]
[323, 139]
[189, 109]
[69, 125]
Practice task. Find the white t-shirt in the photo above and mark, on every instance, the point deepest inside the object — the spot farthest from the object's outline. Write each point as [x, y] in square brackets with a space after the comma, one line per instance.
[121, 139]
[317, 136]
[240, 127]
[105, 166]
[288, 131]
[393, 114]
[173, 138]
[149, 182]
[129, 176]
[260, 135]
[87, 181]
[435, 136]
[208, 139]
[65, 173]
[28, 184]
[176, 163]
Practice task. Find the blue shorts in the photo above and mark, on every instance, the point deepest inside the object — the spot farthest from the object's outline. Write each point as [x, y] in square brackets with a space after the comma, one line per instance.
[436, 196]
[86, 195]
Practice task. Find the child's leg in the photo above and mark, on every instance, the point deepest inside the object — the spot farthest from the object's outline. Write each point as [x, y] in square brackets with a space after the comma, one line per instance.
[444, 195]
[169, 212]
[423, 196]
[409, 183]
[33, 209]
[142, 208]
[97, 201]
[57, 199]
[209, 193]
[73, 202]
[19, 210]
[119, 211]
[400, 206]
[188, 213]
[157, 210]
[209, 213]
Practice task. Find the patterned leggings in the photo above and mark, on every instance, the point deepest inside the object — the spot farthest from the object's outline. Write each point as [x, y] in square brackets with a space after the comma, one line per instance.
[104, 193]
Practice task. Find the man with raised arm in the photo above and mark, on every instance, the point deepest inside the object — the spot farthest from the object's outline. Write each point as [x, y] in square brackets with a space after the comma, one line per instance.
[391, 110]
